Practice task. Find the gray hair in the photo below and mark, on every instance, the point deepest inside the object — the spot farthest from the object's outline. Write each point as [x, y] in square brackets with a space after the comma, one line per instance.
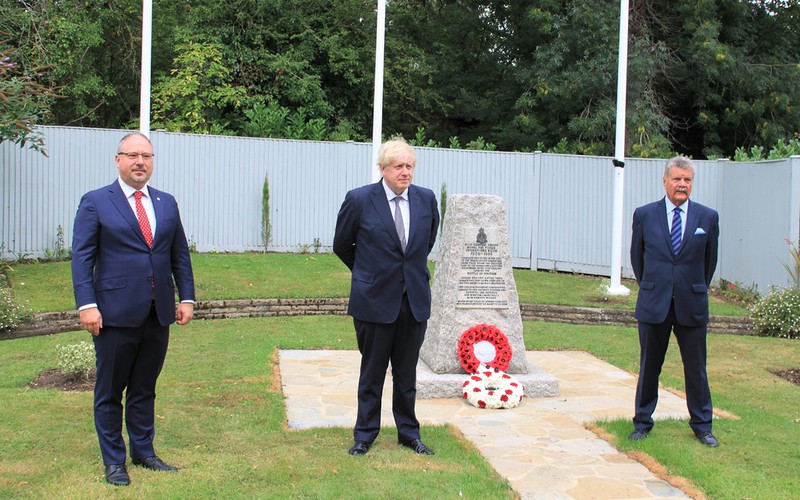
[125, 138]
[679, 162]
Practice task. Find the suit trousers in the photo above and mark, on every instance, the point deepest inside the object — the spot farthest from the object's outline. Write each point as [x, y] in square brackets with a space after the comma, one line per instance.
[398, 342]
[129, 360]
[654, 341]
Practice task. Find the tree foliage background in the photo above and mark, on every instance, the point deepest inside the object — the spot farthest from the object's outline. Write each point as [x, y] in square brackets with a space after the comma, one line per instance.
[705, 77]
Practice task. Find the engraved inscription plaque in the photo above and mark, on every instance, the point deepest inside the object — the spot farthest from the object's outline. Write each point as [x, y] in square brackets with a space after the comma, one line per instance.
[481, 283]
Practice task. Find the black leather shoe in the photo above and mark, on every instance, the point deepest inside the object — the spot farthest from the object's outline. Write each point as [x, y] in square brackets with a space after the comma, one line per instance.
[360, 448]
[117, 474]
[707, 439]
[418, 446]
[155, 463]
[638, 435]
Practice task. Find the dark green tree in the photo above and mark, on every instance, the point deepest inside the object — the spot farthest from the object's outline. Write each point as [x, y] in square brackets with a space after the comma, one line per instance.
[313, 54]
[23, 101]
[468, 54]
[197, 95]
[93, 52]
[734, 79]
[705, 77]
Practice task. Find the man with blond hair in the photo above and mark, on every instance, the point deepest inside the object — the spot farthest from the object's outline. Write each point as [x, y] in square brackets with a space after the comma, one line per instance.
[384, 233]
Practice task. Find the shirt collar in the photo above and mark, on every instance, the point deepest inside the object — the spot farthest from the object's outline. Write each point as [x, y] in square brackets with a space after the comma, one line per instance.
[129, 190]
[670, 207]
[390, 194]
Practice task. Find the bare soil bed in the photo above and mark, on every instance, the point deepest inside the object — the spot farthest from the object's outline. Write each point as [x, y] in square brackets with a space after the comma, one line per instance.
[56, 379]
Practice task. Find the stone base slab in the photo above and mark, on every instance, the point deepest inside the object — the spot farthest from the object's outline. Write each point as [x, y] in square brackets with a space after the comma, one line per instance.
[430, 385]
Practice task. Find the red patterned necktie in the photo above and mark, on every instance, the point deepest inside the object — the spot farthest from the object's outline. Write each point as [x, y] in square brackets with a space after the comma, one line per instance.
[144, 222]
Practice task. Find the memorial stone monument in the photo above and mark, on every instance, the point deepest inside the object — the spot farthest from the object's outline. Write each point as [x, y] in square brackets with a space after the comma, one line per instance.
[474, 284]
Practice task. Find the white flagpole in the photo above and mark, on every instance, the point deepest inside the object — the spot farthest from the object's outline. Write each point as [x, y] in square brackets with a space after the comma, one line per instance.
[377, 104]
[147, 41]
[616, 288]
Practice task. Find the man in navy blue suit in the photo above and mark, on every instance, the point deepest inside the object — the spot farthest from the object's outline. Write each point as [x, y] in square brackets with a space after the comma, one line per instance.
[384, 234]
[129, 253]
[674, 255]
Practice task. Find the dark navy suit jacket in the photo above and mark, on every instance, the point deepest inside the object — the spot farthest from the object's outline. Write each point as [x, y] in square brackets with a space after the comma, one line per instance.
[367, 242]
[113, 267]
[662, 275]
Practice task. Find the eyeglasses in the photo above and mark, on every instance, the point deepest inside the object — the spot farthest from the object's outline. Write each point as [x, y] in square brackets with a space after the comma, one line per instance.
[133, 156]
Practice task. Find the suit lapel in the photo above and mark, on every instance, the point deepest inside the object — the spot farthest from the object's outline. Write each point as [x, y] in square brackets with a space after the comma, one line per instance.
[384, 212]
[662, 223]
[414, 210]
[117, 198]
[158, 210]
[692, 221]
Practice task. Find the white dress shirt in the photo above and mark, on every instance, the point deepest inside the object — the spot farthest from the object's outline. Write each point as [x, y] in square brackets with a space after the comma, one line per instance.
[147, 203]
[684, 210]
[404, 206]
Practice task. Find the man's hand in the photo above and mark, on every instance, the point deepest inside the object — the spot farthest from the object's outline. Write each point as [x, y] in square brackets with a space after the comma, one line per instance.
[91, 320]
[184, 313]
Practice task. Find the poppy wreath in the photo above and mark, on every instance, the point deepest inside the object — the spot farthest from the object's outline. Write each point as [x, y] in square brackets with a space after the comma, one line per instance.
[492, 388]
[479, 333]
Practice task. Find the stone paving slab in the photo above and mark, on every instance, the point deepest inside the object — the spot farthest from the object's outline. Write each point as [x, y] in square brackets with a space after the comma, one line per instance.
[541, 447]
[537, 383]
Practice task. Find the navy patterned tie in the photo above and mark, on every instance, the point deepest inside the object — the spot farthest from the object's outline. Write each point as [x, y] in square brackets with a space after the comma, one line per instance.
[675, 234]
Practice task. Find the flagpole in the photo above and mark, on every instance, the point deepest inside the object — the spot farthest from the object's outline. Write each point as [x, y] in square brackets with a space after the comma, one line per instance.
[616, 287]
[144, 92]
[377, 103]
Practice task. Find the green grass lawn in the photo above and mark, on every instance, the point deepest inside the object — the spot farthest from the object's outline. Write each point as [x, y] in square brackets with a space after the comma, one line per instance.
[221, 415]
[759, 453]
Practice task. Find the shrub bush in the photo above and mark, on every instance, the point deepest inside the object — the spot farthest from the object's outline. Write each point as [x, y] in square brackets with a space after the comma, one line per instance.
[744, 295]
[76, 360]
[794, 268]
[778, 314]
[12, 312]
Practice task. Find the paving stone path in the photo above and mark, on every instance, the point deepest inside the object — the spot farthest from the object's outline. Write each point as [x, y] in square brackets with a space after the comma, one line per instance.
[542, 446]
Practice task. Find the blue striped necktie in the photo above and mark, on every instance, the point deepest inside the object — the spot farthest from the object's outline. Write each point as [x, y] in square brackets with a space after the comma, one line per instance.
[675, 234]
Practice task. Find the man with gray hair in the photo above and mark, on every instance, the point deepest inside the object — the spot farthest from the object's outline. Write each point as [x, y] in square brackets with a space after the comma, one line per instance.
[674, 255]
[129, 258]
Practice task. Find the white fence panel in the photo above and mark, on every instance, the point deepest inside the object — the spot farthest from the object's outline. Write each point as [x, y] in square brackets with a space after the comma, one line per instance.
[558, 206]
